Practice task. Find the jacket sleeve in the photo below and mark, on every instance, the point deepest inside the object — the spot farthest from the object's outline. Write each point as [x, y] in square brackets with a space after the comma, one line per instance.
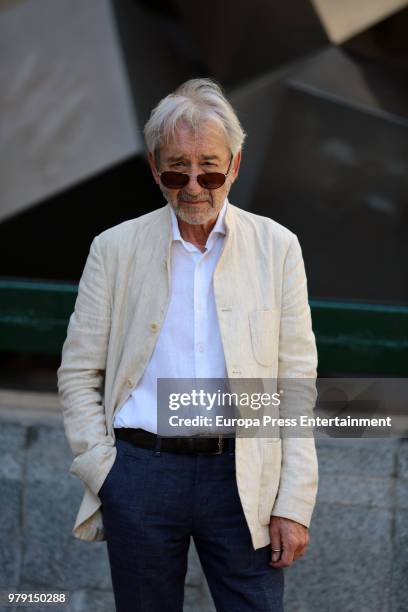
[297, 361]
[81, 375]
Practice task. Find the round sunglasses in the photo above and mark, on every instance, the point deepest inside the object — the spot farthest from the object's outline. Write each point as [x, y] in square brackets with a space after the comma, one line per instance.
[208, 180]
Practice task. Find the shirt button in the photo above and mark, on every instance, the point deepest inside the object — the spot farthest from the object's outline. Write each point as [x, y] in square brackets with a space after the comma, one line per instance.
[129, 383]
[200, 347]
[154, 327]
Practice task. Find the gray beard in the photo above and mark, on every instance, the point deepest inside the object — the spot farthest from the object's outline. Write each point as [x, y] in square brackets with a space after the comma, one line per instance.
[185, 216]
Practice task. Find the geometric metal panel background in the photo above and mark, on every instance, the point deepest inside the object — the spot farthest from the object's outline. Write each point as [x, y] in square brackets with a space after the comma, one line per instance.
[348, 202]
[66, 111]
[327, 146]
[348, 151]
[347, 18]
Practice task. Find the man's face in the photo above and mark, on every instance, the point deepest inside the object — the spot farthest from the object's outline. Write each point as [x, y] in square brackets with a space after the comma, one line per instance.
[196, 153]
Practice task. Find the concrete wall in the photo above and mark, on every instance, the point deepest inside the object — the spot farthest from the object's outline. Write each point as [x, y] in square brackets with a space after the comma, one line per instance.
[357, 560]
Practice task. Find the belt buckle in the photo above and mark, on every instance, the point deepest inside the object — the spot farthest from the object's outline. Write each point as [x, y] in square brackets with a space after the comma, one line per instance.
[219, 451]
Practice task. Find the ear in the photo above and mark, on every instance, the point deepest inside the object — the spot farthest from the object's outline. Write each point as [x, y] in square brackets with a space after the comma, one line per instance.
[236, 165]
[153, 167]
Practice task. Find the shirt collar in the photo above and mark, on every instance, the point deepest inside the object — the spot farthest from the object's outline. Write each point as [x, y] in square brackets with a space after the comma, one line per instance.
[219, 226]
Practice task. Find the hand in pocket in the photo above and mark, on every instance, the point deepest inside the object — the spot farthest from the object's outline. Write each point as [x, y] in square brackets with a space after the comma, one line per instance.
[106, 483]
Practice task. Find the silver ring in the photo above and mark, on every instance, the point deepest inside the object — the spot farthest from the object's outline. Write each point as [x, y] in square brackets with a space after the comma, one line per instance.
[276, 549]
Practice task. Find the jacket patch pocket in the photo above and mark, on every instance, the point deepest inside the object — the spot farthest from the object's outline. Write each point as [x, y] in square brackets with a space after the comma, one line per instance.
[270, 477]
[263, 326]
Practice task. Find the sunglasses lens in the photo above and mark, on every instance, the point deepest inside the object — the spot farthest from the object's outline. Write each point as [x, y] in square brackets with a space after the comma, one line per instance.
[174, 180]
[211, 180]
[178, 180]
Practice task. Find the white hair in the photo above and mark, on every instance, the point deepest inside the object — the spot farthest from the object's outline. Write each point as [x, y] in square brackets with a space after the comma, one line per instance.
[193, 103]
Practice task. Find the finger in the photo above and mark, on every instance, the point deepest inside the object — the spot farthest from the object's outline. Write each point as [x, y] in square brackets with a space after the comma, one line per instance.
[301, 547]
[299, 553]
[276, 545]
[288, 550]
[286, 559]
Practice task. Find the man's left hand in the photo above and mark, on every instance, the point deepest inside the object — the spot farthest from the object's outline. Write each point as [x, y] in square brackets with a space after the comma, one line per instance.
[288, 536]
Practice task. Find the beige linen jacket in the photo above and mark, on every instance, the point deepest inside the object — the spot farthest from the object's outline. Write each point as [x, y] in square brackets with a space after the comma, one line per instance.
[264, 317]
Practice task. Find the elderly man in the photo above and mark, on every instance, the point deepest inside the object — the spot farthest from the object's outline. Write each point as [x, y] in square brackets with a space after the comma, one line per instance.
[197, 289]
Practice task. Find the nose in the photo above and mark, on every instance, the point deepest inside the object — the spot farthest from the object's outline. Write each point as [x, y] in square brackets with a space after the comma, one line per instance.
[192, 187]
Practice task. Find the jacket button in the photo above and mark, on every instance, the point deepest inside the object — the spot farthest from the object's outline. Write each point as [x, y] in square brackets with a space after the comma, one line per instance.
[129, 383]
[154, 327]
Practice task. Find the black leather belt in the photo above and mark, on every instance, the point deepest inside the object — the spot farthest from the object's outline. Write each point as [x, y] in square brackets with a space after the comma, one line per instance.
[181, 445]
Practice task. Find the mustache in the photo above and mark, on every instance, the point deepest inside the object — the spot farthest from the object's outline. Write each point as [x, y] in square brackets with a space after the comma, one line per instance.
[186, 198]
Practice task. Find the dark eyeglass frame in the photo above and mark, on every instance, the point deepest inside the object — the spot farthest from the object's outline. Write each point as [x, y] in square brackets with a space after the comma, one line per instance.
[207, 180]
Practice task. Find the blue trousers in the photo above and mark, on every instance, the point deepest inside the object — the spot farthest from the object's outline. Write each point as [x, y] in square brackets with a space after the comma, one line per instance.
[152, 503]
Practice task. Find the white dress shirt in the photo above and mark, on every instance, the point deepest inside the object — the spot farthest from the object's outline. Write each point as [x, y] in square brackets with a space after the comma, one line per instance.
[189, 344]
